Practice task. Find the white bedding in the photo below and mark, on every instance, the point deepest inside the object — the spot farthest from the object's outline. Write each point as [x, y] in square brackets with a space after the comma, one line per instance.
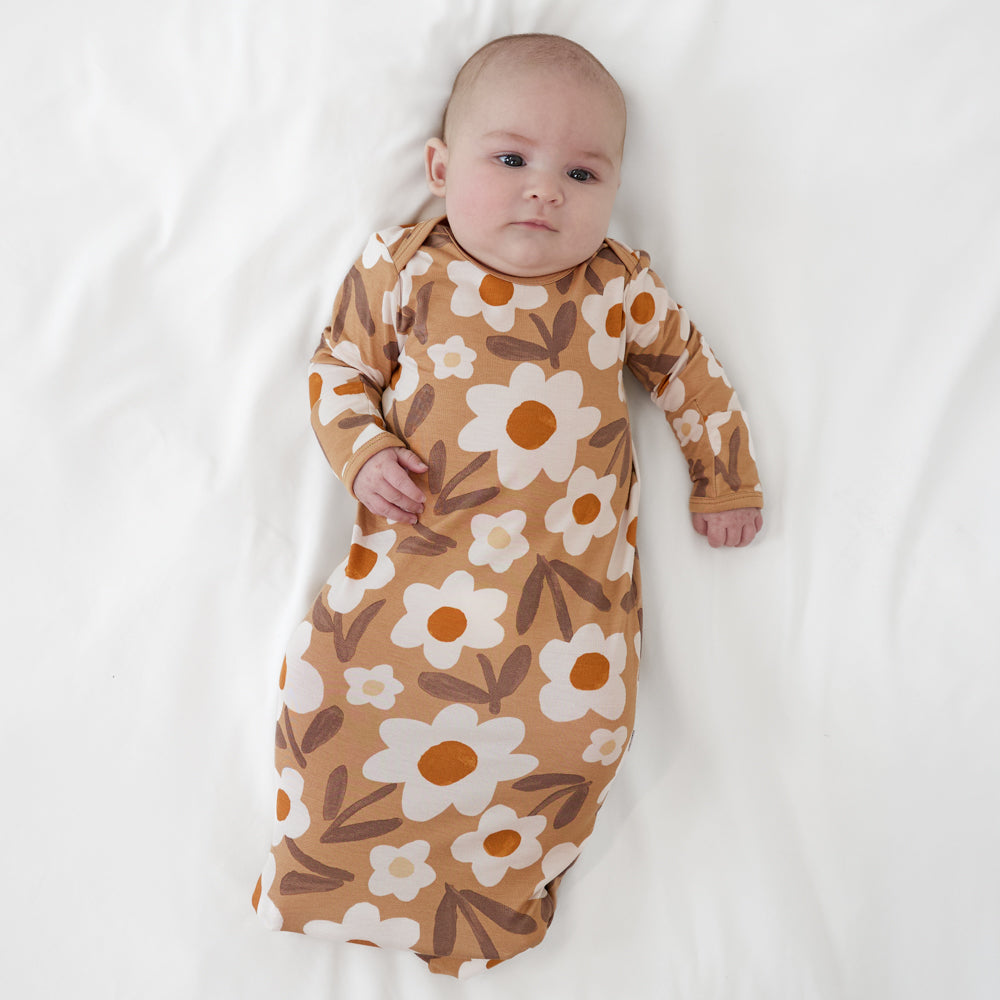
[809, 810]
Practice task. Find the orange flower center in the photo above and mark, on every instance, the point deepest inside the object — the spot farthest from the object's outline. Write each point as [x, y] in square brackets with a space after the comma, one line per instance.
[447, 762]
[360, 562]
[495, 291]
[643, 308]
[531, 424]
[446, 624]
[615, 322]
[590, 672]
[586, 508]
[502, 844]
[284, 806]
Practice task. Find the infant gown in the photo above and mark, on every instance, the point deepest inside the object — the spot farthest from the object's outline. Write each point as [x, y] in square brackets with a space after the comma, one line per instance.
[461, 693]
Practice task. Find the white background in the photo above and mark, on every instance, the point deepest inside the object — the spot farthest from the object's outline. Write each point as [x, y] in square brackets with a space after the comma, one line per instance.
[810, 809]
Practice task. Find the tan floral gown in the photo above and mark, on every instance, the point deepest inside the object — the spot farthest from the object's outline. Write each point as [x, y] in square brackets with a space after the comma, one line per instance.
[459, 698]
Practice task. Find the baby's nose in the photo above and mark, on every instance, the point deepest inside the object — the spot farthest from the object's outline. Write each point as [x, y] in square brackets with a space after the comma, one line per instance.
[545, 187]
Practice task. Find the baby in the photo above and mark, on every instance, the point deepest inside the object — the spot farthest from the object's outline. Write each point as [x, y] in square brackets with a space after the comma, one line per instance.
[459, 698]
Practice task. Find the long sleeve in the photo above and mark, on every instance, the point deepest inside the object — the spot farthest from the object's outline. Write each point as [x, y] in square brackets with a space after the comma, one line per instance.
[673, 362]
[355, 361]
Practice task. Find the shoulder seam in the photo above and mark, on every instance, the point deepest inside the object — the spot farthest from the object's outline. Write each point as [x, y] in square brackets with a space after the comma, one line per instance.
[412, 242]
[629, 258]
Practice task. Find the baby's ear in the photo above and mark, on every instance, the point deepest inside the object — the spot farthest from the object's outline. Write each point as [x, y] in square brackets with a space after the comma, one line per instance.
[436, 163]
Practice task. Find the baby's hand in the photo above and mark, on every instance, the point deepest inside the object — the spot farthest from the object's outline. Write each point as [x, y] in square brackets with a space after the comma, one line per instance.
[729, 527]
[384, 486]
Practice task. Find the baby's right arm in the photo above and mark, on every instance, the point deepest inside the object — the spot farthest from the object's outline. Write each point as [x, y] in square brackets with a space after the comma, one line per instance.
[384, 486]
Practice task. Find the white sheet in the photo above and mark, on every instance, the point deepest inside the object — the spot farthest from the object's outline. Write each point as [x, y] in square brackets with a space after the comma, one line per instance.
[809, 809]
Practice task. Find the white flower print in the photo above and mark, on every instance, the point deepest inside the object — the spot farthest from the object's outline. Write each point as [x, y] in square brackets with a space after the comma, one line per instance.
[377, 247]
[712, 424]
[363, 922]
[452, 358]
[478, 292]
[646, 307]
[403, 382]
[533, 424]
[453, 761]
[371, 432]
[400, 871]
[605, 314]
[349, 353]
[446, 619]
[714, 368]
[337, 390]
[394, 300]
[498, 541]
[502, 841]
[555, 862]
[688, 427]
[291, 814]
[367, 567]
[474, 967]
[623, 554]
[268, 913]
[377, 687]
[605, 746]
[300, 683]
[585, 512]
[584, 675]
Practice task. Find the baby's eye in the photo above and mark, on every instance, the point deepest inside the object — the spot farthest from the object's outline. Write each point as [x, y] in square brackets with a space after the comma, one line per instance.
[511, 160]
[579, 174]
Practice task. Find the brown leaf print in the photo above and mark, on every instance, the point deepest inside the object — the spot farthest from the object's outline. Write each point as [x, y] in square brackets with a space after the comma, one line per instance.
[297, 883]
[584, 586]
[697, 472]
[563, 328]
[594, 280]
[279, 737]
[512, 673]
[336, 789]
[510, 920]
[423, 401]
[730, 474]
[531, 596]
[446, 503]
[420, 319]
[290, 734]
[346, 647]
[436, 462]
[452, 689]
[620, 432]
[564, 283]
[430, 544]
[486, 946]
[538, 782]
[446, 923]
[514, 349]
[323, 728]
[316, 866]
[603, 436]
[360, 831]
[570, 809]
[354, 288]
[421, 547]
[321, 620]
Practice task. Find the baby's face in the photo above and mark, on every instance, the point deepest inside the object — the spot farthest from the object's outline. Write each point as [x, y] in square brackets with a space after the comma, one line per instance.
[531, 169]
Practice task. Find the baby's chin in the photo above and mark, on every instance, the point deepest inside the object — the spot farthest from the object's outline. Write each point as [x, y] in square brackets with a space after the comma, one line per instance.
[528, 257]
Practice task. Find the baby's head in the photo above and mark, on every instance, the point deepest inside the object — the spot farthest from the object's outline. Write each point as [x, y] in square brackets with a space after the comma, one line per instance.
[530, 156]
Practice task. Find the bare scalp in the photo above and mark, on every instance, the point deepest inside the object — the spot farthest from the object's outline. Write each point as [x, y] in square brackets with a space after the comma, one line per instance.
[531, 51]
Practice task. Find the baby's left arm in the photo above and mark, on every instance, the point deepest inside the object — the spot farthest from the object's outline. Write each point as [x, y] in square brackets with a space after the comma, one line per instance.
[734, 528]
